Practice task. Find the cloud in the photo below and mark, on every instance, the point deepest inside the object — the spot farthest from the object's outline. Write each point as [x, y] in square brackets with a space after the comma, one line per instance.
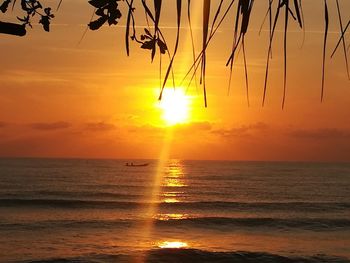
[99, 126]
[204, 126]
[241, 131]
[320, 134]
[194, 127]
[184, 128]
[50, 126]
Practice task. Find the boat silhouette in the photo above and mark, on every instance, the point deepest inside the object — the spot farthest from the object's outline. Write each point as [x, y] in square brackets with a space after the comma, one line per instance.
[136, 165]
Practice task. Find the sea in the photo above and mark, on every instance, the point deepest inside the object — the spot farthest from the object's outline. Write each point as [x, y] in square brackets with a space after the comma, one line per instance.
[82, 210]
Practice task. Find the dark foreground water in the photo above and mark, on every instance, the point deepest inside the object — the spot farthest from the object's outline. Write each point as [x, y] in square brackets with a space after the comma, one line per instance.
[184, 211]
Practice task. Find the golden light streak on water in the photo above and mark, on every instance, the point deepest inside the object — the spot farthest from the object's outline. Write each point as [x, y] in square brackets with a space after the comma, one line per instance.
[171, 200]
[170, 176]
[166, 217]
[152, 209]
[172, 244]
[163, 159]
[173, 178]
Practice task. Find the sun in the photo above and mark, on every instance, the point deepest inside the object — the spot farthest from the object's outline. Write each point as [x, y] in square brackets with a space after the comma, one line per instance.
[175, 106]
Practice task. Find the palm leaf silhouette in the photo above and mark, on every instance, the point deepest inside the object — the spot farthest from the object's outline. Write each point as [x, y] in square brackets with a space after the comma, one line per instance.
[108, 12]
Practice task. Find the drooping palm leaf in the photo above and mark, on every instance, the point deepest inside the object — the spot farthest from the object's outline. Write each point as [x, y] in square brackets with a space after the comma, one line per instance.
[234, 47]
[13, 4]
[87, 27]
[245, 71]
[216, 16]
[157, 10]
[110, 14]
[192, 38]
[286, 4]
[178, 9]
[292, 8]
[127, 28]
[298, 12]
[206, 14]
[326, 19]
[343, 39]
[242, 18]
[59, 4]
[194, 66]
[270, 50]
[302, 21]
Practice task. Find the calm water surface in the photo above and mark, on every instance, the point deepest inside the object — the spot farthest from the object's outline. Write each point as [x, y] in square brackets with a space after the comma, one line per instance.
[211, 211]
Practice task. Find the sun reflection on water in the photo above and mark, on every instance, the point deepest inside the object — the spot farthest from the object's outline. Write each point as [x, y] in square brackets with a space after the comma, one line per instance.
[166, 217]
[173, 178]
[172, 194]
[171, 200]
[172, 244]
[174, 182]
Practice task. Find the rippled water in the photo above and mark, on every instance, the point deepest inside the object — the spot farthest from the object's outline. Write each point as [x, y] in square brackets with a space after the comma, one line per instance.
[210, 211]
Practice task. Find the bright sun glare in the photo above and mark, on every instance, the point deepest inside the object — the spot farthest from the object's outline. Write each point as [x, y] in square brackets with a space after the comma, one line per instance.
[175, 106]
[172, 244]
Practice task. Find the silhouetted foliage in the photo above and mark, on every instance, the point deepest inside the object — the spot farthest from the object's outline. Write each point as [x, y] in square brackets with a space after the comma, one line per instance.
[107, 10]
[30, 9]
[151, 38]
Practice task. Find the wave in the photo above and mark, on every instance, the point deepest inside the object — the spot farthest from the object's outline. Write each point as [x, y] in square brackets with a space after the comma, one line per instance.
[66, 203]
[223, 223]
[212, 223]
[23, 195]
[321, 207]
[194, 256]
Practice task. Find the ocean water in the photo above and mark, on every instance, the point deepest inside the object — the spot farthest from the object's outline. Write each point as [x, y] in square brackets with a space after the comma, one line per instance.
[70, 210]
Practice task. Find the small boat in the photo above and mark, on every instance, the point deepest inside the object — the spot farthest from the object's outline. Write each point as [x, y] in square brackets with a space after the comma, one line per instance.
[136, 165]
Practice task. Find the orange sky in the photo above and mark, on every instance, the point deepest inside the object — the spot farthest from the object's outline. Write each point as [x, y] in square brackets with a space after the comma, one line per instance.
[63, 100]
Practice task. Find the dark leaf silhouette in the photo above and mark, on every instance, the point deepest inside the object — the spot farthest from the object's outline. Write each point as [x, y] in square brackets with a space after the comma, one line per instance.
[298, 12]
[94, 25]
[59, 4]
[152, 39]
[242, 17]
[162, 47]
[107, 10]
[148, 33]
[206, 14]
[45, 19]
[149, 44]
[30, 8]
[273, 27]
[286, 4]
[4, 6]
[128, 21]
[178, 9]
[13, 4]
[12, 29]
[342, 38]
[99, 3]
[157, 10]
[25, 20]
[326, 19]
[192, 38]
